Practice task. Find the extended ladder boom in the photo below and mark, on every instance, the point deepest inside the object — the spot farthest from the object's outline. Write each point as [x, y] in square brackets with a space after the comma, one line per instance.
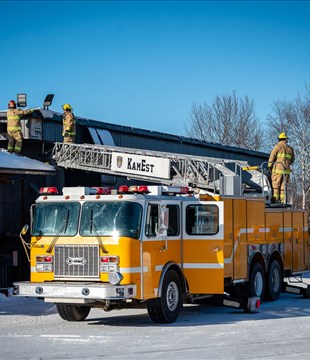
[153, 166]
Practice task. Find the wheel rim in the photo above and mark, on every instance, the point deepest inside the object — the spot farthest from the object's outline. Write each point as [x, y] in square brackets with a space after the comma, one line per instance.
[258, 284]
[275, 280]
[172, 297]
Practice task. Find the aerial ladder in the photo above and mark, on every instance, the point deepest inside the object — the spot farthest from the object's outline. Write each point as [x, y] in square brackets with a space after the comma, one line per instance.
[215, 175]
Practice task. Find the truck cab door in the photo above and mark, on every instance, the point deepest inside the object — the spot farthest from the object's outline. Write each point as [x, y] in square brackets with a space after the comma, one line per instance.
[203, 246]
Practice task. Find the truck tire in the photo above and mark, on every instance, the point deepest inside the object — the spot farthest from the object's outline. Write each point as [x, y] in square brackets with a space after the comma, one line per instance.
[256, 285]
[166, 309]
[72, 312]
[274, 281]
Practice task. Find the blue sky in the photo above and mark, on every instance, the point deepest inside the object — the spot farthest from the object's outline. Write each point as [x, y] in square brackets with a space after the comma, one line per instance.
[143, 63]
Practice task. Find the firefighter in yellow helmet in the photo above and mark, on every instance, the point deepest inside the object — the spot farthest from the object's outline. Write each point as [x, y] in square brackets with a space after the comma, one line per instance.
[14, 127]
[280, 160]
[68, 121]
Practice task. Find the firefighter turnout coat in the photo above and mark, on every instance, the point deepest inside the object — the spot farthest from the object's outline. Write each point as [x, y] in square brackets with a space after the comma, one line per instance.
[283, 156]
[280, 160]
[14, 116]
[68, 131]
[14, 129]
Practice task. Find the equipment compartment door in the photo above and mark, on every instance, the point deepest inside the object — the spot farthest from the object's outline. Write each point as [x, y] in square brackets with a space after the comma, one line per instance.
[203, 246]
[298, 241]
[306, 240]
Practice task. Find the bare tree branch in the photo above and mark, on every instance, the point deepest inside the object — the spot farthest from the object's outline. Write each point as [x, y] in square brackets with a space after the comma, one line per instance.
[229, 120]
[293, 117]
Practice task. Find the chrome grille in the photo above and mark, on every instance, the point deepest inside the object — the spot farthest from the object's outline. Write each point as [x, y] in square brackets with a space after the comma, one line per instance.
[77, 261]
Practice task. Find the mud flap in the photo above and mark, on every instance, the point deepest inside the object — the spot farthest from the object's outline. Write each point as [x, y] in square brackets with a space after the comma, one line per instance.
[4, 291]
[298, 290]
[250, 304]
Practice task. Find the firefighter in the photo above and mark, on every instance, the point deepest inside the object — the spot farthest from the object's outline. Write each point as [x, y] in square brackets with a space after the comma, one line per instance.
[280, 160]
[14, 127]
[68, 121]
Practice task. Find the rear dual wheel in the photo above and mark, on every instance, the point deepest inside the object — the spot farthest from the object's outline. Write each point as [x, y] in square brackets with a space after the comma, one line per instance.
[268, 286]
[256, 285]
[274, 281]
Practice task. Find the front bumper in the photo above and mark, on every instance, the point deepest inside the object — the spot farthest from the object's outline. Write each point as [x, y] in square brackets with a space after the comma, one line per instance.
[81, 293]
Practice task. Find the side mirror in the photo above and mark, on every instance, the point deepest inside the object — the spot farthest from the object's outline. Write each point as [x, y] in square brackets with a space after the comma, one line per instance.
[24, 229]
[163, 220]
[25, 244]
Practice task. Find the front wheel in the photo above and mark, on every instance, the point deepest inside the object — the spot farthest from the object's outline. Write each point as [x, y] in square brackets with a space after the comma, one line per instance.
[256, 286]
[274, 281]
[166, 309]
[72, 312]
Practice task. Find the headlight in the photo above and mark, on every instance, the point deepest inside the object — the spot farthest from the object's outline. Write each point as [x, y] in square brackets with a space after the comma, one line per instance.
[115, 278]
[44, 267]
[109, 263]
[44, 263]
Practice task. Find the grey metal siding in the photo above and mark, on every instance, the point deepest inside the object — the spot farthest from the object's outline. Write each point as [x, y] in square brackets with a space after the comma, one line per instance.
[199, 149]
[52, 131]
[10, 206]
[126, 136]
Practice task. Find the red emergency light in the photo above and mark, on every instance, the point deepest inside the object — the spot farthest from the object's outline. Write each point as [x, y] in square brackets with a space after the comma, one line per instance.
[123, 189]
[133, 189]
[52, 190]
[143, 189]
[99, 190]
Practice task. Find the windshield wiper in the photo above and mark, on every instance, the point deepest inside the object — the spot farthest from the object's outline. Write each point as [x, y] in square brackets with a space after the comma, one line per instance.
[92, 226]
[62, 229]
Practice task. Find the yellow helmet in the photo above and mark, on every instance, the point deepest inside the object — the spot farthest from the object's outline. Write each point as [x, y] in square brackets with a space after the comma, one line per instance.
[66, 107]
[282, 136]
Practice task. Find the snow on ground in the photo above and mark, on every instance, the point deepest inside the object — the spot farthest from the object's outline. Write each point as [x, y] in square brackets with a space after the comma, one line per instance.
[31, 329]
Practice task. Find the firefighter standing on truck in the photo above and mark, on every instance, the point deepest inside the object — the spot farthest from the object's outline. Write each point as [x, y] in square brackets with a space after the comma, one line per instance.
[68, 121]
[280, 160]
[14, 127]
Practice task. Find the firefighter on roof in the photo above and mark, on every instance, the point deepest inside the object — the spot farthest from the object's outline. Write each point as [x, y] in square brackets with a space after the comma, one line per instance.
[280, 160]
[68, 121]
[14, 127]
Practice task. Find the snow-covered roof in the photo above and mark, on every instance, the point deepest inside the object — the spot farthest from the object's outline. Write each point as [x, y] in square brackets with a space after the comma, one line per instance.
[14, 164]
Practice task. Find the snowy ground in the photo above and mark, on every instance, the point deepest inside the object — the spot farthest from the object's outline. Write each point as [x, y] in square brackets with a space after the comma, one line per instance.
[32, 329]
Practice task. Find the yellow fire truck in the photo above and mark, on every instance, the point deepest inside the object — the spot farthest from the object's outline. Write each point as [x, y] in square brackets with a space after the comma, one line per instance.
[208, 229]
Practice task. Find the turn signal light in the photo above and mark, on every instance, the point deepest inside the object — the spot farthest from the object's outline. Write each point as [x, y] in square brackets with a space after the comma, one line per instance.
[44, 263]
[109, 259]
[43, 258]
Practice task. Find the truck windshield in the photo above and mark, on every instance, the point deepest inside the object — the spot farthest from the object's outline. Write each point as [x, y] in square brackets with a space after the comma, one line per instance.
[111, 219]
[55, 219]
